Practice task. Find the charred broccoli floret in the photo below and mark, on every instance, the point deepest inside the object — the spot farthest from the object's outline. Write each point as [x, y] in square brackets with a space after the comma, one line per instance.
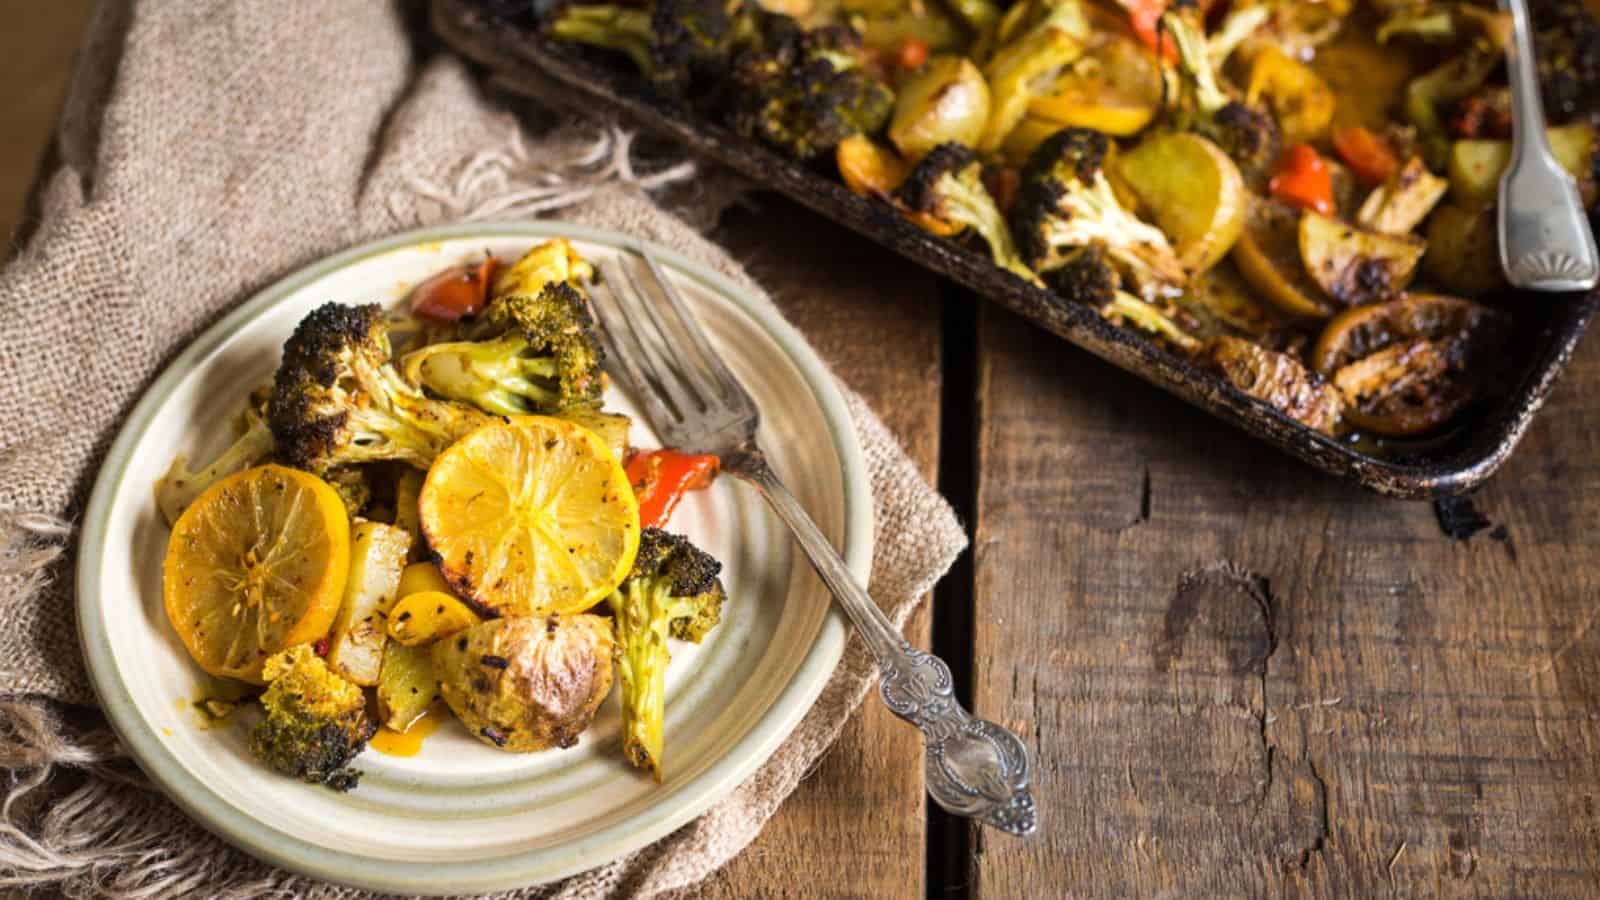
[695, 39]
[1065, 203]
[532, 354]
[672, 590]
[181, 486]
[621, 29]
[1246, 133]
[316, 721]
[805, 94]
[337, 401]
[947, 185]
[1087, 276]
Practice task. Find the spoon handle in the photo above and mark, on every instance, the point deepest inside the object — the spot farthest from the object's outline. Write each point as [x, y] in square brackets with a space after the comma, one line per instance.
[1545, 240]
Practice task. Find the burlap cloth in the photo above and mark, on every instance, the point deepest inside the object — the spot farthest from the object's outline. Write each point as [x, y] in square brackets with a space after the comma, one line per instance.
[206, 150]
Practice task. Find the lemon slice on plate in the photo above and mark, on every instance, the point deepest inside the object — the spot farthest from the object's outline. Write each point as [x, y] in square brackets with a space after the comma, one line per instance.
[531, 516]
[255, 565]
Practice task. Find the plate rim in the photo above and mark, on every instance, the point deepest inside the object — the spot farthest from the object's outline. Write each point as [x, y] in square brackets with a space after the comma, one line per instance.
[524, 869]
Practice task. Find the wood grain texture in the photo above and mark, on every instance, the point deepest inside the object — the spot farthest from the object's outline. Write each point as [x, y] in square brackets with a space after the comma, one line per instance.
[855, 827]
[1243, 678]
[36, 53]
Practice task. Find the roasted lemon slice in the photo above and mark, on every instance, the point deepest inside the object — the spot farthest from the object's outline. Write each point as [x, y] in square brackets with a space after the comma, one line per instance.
[255, 565]
[531, 516]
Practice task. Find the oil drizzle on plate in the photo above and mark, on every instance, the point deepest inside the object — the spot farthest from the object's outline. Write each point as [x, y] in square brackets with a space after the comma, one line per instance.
[409, 742]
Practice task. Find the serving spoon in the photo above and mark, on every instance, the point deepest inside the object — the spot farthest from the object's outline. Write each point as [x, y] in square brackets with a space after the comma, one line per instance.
[1545, 240]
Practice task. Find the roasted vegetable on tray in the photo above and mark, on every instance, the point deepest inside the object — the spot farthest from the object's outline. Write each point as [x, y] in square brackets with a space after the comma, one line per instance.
[1192, 171]
[453, 520]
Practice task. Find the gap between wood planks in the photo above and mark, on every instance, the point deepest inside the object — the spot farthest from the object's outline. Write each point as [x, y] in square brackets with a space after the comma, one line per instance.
[949, 838]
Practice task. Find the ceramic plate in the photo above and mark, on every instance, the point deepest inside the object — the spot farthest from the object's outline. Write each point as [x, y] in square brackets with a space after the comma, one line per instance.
[461, 816]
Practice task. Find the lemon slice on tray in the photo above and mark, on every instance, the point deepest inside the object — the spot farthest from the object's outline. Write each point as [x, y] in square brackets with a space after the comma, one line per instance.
[531, 516]
[256, 564]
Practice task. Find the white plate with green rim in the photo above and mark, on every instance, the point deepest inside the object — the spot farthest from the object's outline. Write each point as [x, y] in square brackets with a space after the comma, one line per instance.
[461, 816]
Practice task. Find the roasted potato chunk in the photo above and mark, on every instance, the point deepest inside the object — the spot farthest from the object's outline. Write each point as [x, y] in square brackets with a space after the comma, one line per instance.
[527, 683]
[1354, 266]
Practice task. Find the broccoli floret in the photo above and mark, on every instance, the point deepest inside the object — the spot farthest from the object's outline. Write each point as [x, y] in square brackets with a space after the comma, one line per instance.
[1065, 203]
[622, 29]
[1246, 133]
[672, 590]
[1087, 276]
[337, 401]
[353, 485]
[803, 95]
[182, 486]
[533, 354]
[316, 721]
[947, 186]
[695, 39]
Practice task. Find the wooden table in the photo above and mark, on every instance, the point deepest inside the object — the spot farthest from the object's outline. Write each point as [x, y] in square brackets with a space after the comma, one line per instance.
[1236, 676]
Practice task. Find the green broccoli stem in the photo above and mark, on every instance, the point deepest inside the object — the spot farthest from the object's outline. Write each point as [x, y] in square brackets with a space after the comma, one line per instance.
[609, 27]
[401, 423]
[181, 487]
[978, 212]
[1194, 58]
[643, 608]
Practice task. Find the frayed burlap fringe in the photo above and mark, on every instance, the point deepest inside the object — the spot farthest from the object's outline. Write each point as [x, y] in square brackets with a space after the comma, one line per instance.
[506, 182]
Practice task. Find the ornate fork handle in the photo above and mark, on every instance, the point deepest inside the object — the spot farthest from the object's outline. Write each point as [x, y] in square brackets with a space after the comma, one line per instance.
[975, 768]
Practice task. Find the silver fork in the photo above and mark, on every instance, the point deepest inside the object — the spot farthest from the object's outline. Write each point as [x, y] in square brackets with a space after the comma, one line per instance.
[975, 768]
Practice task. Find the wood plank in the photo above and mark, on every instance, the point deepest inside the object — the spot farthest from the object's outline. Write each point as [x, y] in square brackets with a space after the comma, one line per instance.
[1244, 678]
[855, 827]
[36, 53]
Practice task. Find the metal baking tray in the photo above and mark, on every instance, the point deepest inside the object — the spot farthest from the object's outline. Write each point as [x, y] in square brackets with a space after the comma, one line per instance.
[1547, 327]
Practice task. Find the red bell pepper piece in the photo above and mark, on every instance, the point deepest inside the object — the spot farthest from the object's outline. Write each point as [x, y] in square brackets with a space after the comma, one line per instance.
[1366, 154]
[1302, 180]
[455, 293]
[660, 478]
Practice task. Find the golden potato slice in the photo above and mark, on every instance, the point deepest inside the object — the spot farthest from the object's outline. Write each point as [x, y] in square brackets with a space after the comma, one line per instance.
[1192, 190]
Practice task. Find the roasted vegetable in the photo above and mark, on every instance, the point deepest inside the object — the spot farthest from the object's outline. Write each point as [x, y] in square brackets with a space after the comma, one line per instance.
[1429, 95]
[181, 485]
[1066, 203]
[1300, 100]
[377, 556]
[1115, 89]
[554, 261]
[1400, 204]
[673, 590]
[337, 401]
[1021, 71]
[1192, 190]
[536, 354]
[805, 98]
[1407, 366]
[429, 616]
[948, 101]
[1268, 256]
[1354, 266]
[621, 29]
[407, 685]
[947, 187]
[1276, 379]
[612, 427]
[1463, 253]
[1087, 276]
[1220, 302]
[316, 722]
[527, 683]
[1476, 165]
[1246, 133]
